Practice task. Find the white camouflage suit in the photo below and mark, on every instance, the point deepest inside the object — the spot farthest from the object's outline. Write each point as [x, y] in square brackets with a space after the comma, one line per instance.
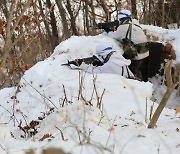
[137, 36]
[116, 64]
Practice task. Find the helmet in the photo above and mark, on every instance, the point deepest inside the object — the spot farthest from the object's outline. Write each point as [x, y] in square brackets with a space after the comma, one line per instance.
[103, 49]
[124, 13]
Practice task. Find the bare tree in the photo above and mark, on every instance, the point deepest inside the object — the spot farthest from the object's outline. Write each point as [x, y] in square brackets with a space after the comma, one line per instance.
[9, 33]
[55, 38]
[86, 17]
[22, 43]
[93, 16]
[62, 12]
[72, 17]
[49, 35]
[103, 4]
[133, 8]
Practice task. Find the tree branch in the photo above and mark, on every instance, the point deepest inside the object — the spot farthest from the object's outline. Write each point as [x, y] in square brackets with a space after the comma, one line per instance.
[170, 87]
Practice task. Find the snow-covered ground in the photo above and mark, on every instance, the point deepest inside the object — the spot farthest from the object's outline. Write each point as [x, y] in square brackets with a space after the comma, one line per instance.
[85, 113]
[165, 36]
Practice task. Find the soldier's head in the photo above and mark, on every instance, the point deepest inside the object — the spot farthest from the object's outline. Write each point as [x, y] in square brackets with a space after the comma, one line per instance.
[124, 15]
[103, 49]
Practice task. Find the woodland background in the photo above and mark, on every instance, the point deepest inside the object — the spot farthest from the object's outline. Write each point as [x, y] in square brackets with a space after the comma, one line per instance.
[31, 29]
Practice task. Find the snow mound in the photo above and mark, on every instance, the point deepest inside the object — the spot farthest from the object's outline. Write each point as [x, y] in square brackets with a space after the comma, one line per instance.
[80, 112]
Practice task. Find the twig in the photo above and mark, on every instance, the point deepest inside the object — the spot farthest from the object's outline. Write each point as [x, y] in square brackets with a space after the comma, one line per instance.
[79, 137]
[65, 96]
[100, 102]
[151, 111]
[102, 116]
[81, 79]
[40, 93]
[62, 135]
[12, 115]
[111, 129]
[146, 112]
[2, 147]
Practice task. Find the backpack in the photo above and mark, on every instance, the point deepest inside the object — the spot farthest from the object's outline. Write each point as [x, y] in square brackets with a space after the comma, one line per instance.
[130, 49]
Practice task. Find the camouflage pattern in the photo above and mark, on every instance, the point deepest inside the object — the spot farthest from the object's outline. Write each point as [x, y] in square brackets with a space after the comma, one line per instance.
[130, 50]
[140, 69]
[142, 47]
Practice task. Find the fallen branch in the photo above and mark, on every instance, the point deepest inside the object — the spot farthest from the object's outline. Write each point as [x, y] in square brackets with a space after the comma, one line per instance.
[170, 87]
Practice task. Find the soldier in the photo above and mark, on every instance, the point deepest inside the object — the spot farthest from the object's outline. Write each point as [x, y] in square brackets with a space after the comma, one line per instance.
[134, 42]
[110, 61]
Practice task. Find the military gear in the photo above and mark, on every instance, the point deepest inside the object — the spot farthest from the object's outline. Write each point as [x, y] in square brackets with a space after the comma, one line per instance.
[108, 26]
[139, 69]
[155, 58]
[133, 51]
[130, 50]
[90, 60]
[142, 47]
[116, 64]
[149, 66]
[74, 62]
[108, 57]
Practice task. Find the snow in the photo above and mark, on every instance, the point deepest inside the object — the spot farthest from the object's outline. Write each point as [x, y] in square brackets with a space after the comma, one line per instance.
[1, 42]
[67, 101]
[166, 35]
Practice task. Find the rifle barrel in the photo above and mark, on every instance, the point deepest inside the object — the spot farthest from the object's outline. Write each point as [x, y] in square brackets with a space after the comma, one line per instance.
[66, 64]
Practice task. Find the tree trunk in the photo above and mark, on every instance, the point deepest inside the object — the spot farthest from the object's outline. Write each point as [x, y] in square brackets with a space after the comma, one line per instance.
[86, 17]
[8, 43]
[49, 35]
[73, 18]
[163, 14]
[93, 17]
[62, 12]
[105, 8]
[133, 8]
[55, 37]
[150, 12]
[144, 11]
[4, 7]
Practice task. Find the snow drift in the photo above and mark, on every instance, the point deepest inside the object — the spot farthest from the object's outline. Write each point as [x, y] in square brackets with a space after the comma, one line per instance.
[55, 106]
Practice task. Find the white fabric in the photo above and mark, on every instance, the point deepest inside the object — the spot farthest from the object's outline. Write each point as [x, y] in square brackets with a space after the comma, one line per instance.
[137, 35]
[113, 66]
[102, 49]
[124, 13]
[135, 21]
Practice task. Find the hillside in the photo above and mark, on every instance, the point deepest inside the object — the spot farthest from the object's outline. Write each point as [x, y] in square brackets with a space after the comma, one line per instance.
[55, 106]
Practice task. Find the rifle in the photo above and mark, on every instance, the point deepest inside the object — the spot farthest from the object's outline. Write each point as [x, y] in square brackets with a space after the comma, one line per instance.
[108, 26]
[90, 60]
